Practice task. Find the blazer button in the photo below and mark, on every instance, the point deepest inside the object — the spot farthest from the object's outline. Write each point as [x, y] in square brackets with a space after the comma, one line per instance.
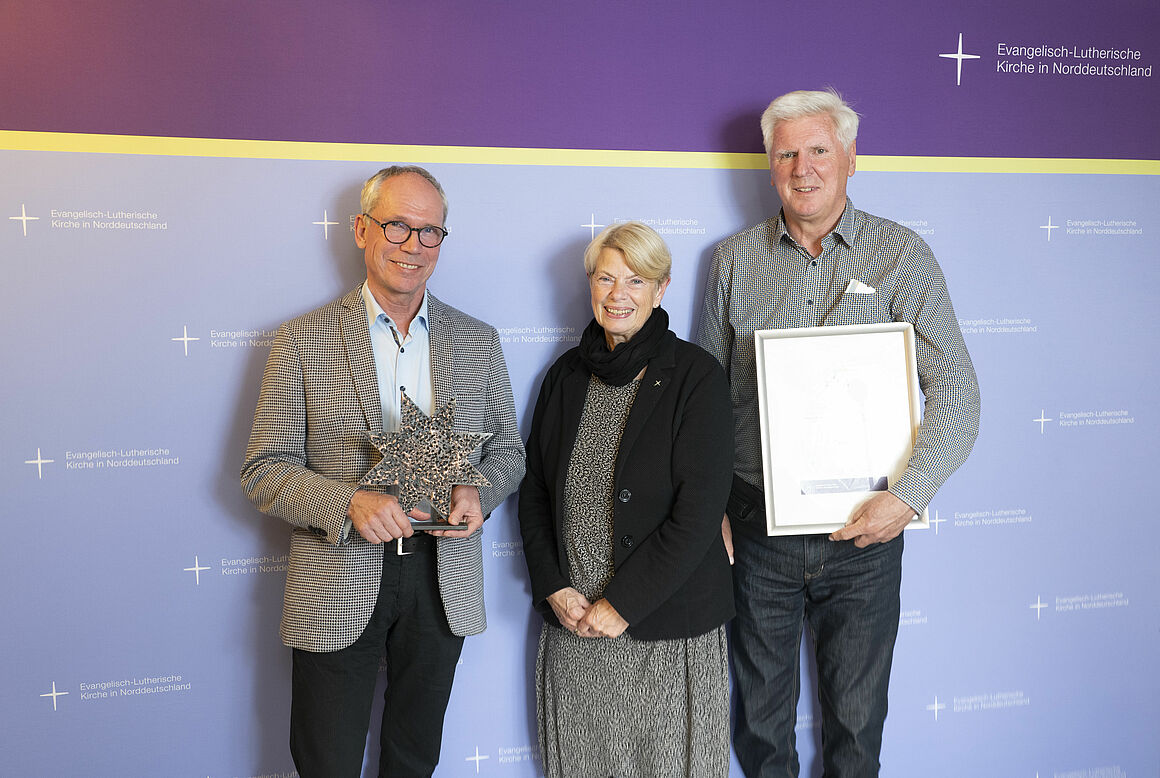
[625, 495]
[626, 541]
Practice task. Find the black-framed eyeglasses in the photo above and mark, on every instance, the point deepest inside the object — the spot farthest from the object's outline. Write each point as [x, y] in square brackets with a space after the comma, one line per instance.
[400, 232]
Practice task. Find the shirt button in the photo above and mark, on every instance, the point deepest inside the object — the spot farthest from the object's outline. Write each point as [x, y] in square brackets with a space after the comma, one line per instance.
[402, 388]
[402, 350]
[809, 302]
[625, 495]
[626, 541]
[813, 263]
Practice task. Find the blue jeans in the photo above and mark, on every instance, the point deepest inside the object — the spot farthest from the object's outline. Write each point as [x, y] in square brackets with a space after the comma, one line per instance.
[849, 598]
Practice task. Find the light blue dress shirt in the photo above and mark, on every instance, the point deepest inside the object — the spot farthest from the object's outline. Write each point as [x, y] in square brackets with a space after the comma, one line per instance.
[402, 363]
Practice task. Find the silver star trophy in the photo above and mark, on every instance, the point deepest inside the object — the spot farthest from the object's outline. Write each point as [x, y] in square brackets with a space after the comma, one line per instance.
[425, 458]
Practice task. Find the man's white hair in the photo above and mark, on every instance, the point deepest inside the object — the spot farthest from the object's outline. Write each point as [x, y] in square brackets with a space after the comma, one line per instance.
[796, 105]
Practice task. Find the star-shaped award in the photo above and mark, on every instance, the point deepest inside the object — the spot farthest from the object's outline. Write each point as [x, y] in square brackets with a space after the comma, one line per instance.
[425, 458]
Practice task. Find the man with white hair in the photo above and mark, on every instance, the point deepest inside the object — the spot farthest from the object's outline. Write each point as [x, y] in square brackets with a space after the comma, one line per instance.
[796, 270]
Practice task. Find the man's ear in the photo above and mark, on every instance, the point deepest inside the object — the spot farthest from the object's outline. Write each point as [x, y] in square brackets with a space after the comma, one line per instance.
[360, 231]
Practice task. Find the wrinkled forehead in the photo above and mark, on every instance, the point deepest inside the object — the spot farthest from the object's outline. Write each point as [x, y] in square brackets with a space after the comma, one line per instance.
[409, 194]
[612, 261]
[805, 131]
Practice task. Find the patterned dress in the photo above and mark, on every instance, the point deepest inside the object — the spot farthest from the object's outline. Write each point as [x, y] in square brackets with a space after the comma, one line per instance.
[624, 707]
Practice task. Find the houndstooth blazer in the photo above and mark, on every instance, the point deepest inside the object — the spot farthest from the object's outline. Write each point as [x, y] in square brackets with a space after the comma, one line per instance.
[308, 449]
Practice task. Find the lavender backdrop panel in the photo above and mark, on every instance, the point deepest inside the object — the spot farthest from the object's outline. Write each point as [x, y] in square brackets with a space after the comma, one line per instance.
[144, 591]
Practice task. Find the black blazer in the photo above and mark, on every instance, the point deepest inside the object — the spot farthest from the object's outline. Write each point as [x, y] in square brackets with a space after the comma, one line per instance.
[673, 473]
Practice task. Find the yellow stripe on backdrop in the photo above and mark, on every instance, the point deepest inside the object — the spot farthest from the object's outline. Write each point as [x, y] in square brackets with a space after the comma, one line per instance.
[11, 140]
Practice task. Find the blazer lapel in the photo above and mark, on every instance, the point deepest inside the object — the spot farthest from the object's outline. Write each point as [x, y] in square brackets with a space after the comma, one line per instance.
[657, 377]
[573, 391]
[357, 341]
[440, 345]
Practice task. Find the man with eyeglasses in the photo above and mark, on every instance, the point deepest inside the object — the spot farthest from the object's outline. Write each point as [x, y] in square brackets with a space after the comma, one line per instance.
[362, 582]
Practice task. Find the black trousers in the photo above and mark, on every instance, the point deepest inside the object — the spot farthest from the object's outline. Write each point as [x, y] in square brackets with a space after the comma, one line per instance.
[333, 691]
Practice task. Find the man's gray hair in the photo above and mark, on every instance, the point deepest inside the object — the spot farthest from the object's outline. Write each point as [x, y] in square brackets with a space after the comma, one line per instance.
[796, 105]
[370, 190]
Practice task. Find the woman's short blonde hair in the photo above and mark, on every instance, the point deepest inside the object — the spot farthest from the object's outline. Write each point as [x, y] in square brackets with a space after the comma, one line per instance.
[644, 251]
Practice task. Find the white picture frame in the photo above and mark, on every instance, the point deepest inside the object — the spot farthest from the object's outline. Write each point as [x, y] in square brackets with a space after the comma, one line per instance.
[840, 410]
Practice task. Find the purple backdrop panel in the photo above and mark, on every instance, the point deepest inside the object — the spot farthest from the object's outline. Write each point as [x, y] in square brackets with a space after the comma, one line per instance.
[600, 74]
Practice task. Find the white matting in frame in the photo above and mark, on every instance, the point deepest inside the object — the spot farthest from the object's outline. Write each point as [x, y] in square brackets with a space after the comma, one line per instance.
[840, 409]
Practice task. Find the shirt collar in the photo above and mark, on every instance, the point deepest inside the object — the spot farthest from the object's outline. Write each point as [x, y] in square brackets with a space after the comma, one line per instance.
[374, 310]
[843, 230]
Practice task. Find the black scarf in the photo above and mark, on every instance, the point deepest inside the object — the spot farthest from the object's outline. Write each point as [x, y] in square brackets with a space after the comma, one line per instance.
[621, 365]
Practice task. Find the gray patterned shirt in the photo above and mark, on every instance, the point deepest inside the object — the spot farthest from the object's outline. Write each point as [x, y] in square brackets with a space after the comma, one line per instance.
[763, 279]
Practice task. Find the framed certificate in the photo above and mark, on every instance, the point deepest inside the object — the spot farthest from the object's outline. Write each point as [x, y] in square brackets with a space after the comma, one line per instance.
[840, 408]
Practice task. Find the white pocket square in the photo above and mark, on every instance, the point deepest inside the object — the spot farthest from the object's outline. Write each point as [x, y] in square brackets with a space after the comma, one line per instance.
[857, 287]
